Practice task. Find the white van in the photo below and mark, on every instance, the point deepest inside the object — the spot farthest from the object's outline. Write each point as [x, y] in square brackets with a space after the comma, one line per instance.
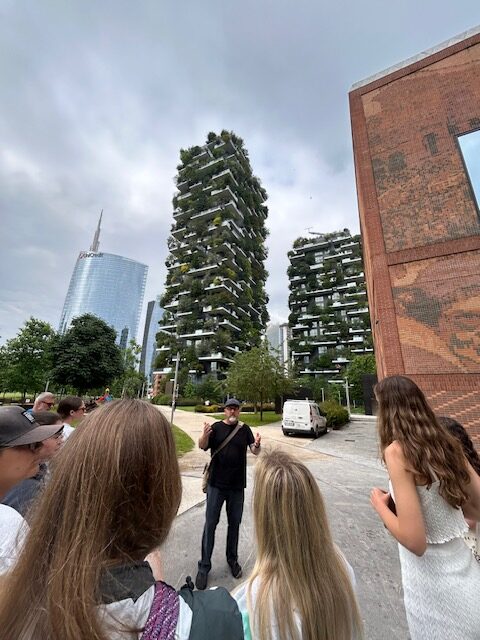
[303, 416]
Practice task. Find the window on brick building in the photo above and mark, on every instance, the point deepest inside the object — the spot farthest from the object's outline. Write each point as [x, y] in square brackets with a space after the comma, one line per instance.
[470, 147]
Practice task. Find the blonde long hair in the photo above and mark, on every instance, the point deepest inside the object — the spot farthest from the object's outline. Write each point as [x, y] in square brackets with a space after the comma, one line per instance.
[431, 451]
[298, 566]
[113, 495]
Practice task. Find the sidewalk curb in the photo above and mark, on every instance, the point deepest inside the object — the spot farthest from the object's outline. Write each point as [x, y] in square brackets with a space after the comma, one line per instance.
[356, 417]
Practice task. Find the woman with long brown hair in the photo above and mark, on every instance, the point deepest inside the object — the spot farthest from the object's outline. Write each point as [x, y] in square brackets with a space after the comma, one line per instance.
[301, 585]
[434, 488]
[114, 492]
[472, 537]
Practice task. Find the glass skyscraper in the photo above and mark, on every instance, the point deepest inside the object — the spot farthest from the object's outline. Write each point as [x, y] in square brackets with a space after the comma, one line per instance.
[153, 317]
[108, 286]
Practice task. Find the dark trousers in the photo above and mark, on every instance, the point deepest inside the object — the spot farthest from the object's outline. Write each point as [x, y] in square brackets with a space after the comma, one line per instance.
[234, 504]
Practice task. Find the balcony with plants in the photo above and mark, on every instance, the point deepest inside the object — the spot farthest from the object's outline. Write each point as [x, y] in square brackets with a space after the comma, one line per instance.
[217, 251]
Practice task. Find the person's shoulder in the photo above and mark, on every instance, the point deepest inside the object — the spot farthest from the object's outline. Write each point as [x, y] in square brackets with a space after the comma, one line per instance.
[394, 452]
[10, 517]
[241, 592]
[13, 529]
[67, 430]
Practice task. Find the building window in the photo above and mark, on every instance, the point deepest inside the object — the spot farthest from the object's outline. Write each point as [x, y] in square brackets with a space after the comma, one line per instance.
[318, 258]
[470, 147]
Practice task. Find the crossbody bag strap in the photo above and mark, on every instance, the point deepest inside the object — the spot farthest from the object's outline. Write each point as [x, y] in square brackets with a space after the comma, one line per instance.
[227, 439]
[162, 620]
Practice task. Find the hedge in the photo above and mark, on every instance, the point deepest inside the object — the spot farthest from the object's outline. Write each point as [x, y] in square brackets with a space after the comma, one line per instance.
[165, 399]
[188, 402]
[162, 399]
[335, 414]
[245, 408]
[211, 408]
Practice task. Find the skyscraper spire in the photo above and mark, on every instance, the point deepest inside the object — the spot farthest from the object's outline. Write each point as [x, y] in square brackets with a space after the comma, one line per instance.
[96, 237]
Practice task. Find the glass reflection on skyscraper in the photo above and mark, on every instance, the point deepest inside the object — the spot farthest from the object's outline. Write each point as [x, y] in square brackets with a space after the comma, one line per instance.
[110, 287]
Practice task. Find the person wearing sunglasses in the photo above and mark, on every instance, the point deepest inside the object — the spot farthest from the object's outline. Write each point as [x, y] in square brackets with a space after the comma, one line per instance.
[21, 439]
[43, 402]
[24, 495]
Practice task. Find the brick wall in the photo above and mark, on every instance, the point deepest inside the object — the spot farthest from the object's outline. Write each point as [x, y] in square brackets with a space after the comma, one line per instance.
[420, 225]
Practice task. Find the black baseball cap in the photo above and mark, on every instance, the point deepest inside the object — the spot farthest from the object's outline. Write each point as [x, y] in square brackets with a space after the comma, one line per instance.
[232, 402]
[18, 427]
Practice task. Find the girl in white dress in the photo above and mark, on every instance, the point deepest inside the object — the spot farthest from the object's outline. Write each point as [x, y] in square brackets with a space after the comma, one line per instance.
[433, 487]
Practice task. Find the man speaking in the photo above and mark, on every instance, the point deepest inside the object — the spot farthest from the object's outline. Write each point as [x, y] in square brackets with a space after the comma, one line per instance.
[226, 483]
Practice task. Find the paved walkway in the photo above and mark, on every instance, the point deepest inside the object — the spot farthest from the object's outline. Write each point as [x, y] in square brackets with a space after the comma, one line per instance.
[345, 465]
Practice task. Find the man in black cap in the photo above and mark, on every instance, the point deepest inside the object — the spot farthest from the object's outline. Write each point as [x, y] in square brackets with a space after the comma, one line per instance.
[20, 441]
[227, 482]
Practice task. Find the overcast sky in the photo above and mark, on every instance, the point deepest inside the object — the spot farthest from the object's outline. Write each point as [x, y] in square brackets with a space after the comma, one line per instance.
[96, 99]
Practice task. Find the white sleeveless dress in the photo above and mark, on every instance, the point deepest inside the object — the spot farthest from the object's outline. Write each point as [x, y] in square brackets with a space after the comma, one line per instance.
[442, 587]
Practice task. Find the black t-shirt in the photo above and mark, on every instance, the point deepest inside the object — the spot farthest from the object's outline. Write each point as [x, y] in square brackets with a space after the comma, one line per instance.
[229, 466]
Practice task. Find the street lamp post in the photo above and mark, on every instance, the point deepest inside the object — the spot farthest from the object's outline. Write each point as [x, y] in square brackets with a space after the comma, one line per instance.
[347, 394]
[347, 391]
[174, 391]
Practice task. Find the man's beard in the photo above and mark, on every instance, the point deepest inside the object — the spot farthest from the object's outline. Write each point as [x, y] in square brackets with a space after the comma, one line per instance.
[232, 419]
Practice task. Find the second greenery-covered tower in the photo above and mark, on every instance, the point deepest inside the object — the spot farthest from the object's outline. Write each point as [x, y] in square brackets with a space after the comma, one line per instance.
[214, 300]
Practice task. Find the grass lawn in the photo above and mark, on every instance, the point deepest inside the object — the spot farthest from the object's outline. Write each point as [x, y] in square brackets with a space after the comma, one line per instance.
[357, 410]
[253, 419]
[192, 409]
[183, 442]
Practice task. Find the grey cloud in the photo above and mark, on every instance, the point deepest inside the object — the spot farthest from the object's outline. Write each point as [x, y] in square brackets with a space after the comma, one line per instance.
[97, 99]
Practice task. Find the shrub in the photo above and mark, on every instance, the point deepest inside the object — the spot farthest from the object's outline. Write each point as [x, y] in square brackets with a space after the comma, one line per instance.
[202, 408]
[335, 414]
[162, 399]
[188, 402]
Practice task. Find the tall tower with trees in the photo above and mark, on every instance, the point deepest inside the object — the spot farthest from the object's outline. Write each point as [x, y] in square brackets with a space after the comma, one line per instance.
[329, 316]
[214, 300]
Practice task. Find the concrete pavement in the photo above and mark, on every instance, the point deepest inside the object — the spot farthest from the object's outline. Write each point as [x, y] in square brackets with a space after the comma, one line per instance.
[345, 465]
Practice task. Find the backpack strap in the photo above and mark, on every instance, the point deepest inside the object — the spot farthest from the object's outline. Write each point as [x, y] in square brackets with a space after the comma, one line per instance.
[163, 617]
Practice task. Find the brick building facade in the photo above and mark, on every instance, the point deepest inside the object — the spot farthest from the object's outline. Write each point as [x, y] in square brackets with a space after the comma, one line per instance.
[420, 222]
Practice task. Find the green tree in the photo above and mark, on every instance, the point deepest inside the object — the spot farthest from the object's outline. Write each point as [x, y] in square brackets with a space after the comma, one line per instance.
[86, 356]
[318, 385]
[130, 383]
[190, 390]
[5, 370]
[256, 375]
[27, 358]
[358, 367]
[209, 389]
